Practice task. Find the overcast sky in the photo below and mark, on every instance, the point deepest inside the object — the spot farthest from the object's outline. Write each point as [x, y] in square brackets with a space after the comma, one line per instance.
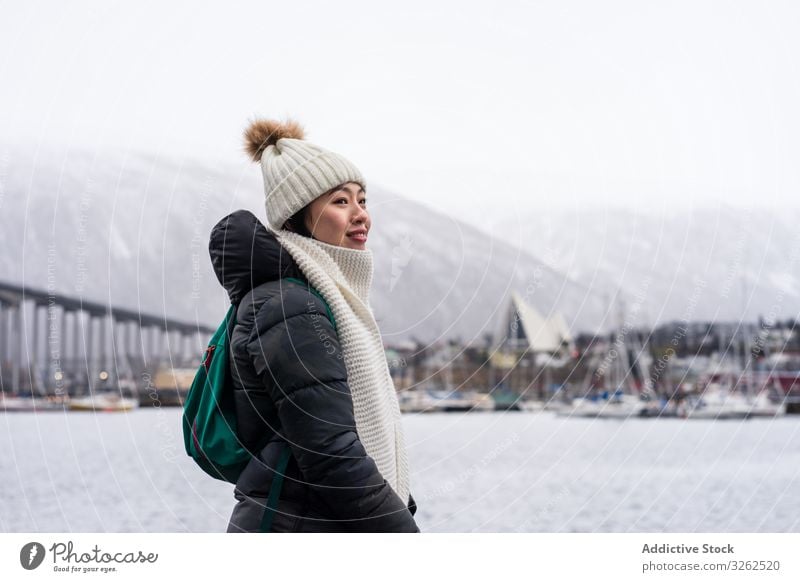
[481, 109]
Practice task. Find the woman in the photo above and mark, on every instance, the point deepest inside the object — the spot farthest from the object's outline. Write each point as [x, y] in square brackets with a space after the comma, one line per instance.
[308, 364]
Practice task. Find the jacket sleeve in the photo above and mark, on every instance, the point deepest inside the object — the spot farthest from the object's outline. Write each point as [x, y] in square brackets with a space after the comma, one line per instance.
[297, 355]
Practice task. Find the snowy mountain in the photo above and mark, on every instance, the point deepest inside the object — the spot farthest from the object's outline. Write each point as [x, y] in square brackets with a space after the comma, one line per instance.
[132, 230]
[710, 263]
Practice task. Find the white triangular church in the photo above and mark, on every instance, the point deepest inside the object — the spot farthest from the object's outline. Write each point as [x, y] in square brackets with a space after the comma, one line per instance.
[526, 328]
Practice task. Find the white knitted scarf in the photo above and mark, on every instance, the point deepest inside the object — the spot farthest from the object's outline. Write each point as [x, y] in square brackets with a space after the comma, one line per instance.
[343, 277]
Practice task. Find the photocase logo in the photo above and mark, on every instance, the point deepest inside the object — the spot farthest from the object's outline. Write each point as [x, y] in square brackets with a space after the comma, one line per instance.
[31, 555]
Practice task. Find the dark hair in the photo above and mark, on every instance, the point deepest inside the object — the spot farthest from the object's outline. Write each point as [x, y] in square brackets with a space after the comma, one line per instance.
[297, 222]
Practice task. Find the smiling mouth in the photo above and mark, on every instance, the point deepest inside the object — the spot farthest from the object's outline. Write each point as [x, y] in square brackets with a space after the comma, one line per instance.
[358, 236]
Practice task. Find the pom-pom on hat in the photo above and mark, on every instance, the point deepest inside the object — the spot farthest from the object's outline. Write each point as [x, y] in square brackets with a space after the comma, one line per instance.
[295, 171]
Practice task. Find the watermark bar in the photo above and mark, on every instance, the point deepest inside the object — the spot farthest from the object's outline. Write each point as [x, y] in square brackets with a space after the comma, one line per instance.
[330, 557]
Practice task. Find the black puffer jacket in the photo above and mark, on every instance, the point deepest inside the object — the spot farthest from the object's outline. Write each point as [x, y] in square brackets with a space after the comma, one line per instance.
[291, 386]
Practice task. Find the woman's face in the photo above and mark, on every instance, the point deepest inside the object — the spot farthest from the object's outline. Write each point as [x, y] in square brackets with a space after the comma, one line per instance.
[340, 217]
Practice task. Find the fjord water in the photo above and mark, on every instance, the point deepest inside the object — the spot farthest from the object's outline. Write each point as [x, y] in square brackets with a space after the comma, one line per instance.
[478, 472]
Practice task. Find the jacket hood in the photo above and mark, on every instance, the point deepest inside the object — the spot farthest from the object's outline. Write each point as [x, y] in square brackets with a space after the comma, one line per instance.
[245, 255]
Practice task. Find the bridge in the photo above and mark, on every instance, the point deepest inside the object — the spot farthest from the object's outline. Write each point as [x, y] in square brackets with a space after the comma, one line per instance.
[54, 344]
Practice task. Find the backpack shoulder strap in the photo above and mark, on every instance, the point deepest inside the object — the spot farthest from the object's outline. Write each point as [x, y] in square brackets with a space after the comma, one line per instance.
[318, 294]
[275, 490]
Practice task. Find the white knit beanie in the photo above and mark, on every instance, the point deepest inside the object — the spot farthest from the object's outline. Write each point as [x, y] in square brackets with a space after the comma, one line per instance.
[295, 171]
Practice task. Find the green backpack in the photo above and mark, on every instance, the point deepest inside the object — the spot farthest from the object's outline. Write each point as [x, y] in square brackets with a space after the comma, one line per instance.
[209, 416]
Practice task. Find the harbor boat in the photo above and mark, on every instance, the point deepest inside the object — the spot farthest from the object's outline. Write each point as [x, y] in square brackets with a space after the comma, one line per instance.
[413, 400]
[443, 394]
[762, 406]
[458, 401]
[504, 399]
[481, 402]
[715, 403]
[11, 403]
[103, 402]
[170, 386]
[557, 405]
[429, 400]
[622, 398]
[531, 405]
[618, 405]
